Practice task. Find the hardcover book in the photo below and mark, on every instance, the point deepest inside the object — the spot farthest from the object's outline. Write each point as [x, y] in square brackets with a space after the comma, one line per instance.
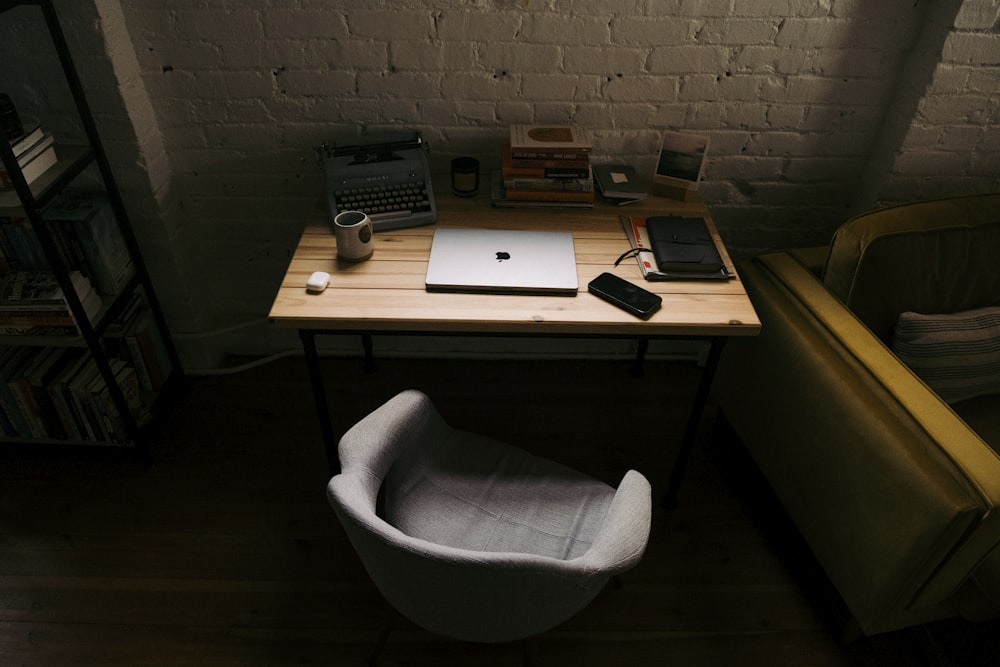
[31, 169]
[550, 184]
[619, 181]
[88, 216]
[568, 196]
[34, 150]
[541, 168]
[500, 197]
[559, 142]
[31, 136]
[38, 289]
[32, 303]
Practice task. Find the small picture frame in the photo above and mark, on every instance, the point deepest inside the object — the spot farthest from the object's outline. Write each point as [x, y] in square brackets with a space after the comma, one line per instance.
[680, 164]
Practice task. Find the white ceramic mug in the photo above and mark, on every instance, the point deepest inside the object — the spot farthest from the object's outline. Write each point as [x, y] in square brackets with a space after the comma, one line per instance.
[353, 230]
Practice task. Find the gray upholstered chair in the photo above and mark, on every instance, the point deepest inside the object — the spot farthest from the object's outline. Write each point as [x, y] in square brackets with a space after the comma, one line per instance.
[474, 539]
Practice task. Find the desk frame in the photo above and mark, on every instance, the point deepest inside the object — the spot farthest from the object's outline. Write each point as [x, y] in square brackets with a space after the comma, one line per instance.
[702, 310]
[669, 500]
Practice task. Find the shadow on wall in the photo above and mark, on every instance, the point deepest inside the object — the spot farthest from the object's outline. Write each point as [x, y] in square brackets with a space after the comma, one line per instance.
[849, 99]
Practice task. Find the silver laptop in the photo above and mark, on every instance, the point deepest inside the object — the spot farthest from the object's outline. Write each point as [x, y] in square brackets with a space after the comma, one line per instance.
[490, 260]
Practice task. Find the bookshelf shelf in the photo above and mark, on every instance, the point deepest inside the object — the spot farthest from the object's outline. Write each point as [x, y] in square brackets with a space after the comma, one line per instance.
[97, 386]
[72, 161]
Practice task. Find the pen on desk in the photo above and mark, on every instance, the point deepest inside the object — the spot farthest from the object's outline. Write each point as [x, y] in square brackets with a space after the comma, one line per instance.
[628, 201]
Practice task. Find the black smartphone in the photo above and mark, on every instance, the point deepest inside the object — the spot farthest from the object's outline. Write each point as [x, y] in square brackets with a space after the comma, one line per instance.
[627, 296]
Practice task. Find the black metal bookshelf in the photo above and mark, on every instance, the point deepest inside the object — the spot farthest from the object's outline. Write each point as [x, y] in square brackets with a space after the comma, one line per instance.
[29, 201]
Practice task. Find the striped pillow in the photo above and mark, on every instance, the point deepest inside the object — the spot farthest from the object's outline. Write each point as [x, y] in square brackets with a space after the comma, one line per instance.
[956, 355]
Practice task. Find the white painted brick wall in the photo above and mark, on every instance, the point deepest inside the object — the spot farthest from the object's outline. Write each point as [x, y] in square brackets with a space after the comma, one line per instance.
[807, 102]
[951, 146]
[978, 15]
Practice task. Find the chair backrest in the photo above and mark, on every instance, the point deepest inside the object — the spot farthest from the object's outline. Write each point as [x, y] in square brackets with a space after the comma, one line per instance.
[460, 593]
[928, 257]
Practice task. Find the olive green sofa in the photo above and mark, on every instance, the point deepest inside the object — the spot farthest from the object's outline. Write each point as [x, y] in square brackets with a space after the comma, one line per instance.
[896, 491]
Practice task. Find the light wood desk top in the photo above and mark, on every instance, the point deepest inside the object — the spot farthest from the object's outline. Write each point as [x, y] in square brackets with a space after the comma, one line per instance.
[386, 292]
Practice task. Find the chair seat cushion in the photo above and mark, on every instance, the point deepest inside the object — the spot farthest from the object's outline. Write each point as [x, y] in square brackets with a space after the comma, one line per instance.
[471, 492]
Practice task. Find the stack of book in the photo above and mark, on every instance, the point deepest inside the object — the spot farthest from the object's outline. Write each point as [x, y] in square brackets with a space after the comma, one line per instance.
[35, 153]
[547, 165]
[32, 303]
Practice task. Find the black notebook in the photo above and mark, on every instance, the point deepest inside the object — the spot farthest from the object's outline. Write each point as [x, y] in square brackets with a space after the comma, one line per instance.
[682, 245]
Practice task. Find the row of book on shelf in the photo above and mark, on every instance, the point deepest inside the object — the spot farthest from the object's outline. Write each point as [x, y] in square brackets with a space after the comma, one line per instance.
[35, 152]
[88, 239]
[33, 303]
[59, 393]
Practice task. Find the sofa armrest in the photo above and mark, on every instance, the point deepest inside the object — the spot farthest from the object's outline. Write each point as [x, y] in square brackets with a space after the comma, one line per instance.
[813, 259]
[895, 495]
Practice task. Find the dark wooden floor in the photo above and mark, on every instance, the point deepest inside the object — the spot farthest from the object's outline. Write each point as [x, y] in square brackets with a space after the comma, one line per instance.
[224, 551]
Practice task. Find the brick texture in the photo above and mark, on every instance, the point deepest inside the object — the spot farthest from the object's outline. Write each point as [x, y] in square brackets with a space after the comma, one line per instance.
[816, 108]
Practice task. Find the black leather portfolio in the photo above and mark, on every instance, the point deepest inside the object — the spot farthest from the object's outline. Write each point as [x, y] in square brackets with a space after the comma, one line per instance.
[683, 245]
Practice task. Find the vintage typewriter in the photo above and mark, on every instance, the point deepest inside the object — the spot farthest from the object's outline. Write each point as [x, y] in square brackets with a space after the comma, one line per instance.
[386, 176]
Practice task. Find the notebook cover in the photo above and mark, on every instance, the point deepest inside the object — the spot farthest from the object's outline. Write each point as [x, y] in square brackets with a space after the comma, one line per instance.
[683, 244]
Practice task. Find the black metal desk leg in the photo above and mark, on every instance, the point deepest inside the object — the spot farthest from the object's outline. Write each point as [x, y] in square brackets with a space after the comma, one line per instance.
[640, 357]
[369, 348]
[319, 397]
[694, 421]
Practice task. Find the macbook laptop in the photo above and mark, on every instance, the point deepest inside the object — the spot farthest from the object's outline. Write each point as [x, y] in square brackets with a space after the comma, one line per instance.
[491, 260]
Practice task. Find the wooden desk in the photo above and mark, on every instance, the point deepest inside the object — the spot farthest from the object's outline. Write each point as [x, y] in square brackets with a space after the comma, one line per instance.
[386, 293]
